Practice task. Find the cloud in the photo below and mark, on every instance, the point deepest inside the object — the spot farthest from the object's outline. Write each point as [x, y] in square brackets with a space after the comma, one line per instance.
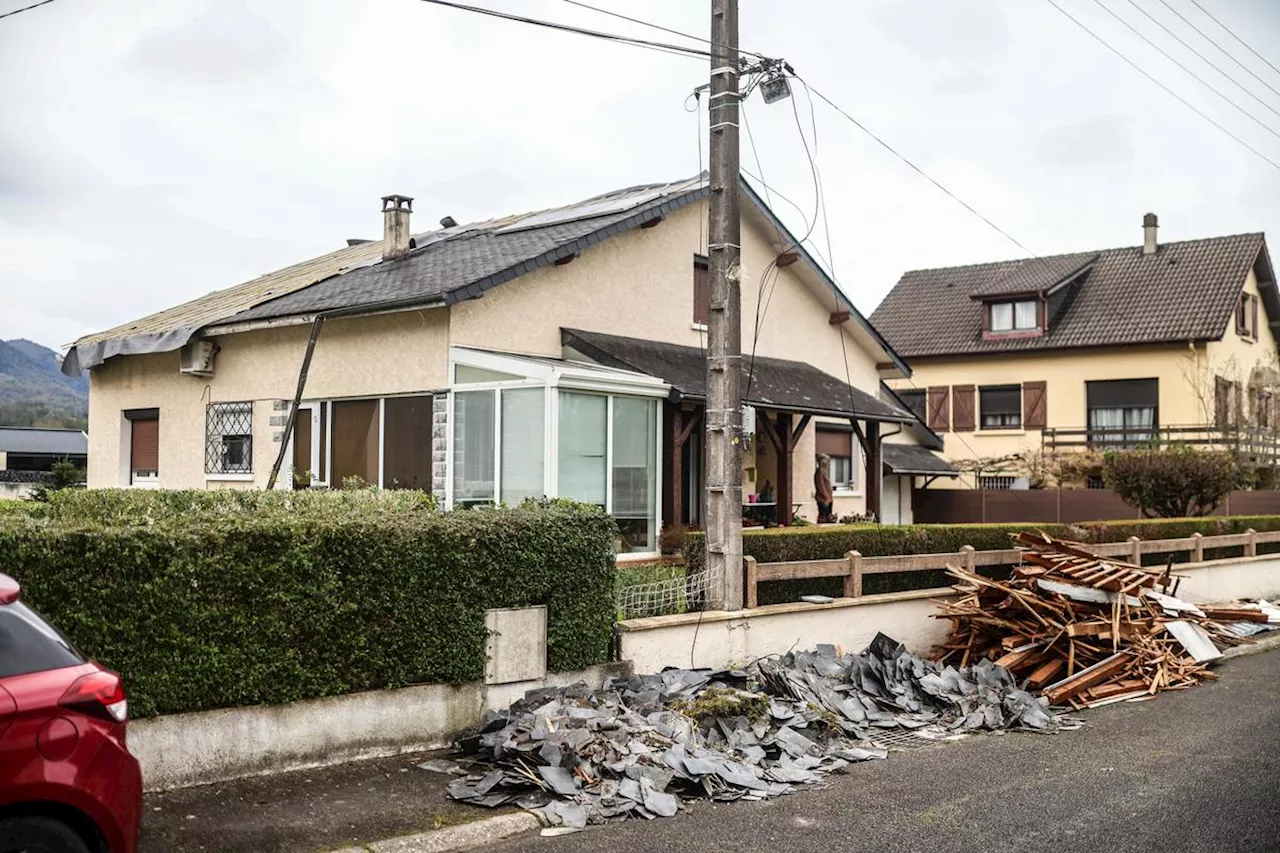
[224, 44]
[1099, 141]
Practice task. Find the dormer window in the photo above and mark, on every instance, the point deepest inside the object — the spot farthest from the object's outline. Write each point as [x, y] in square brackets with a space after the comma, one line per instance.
[1020, 316]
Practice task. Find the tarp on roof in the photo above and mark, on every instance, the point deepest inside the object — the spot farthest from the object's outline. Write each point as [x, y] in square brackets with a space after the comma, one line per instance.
[775, 383]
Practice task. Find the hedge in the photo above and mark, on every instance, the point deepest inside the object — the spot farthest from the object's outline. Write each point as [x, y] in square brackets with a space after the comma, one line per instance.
[200, 605]
[824, 542]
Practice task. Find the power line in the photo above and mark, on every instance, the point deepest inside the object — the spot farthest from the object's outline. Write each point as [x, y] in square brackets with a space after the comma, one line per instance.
[555, 25]
[1203, 58]
[1215, 43]
[26, 8]
[659, 27]
[1145, 73]
[1203, 82]
[1231, 32]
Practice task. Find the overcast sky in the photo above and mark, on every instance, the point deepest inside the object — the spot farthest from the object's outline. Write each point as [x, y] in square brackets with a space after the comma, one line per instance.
[154, 151]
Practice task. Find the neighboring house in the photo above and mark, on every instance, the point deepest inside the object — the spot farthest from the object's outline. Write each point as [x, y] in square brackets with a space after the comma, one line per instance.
[1019, 363]
[554, 353]
[35, 449]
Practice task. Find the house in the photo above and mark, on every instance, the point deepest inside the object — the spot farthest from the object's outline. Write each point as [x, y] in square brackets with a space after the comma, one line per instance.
[27, 455]
[559, 352]
[1020, 364]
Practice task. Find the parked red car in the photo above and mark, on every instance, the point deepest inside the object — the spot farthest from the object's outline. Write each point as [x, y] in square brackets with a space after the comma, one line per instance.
[67, 781]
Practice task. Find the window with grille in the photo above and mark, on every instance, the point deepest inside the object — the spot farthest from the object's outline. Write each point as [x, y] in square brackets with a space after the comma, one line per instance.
[1001, 483]
[228, 445]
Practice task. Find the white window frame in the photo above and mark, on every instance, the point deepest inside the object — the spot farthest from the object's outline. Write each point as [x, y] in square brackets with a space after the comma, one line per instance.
[555, 375]
[1013, 316]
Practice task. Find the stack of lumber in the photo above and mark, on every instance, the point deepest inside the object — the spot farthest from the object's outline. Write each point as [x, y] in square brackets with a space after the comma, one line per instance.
[1085, 630]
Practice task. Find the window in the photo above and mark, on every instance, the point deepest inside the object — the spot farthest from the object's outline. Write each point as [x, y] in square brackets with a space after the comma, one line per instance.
[701, 290]
[1000, 406]
[474, 414]
[144, 446]
[523, 416]
[28, 644]
[1094, 481]
[635, 471]
[916, 402]
[228, 438]
[1020, 316]
[1122, 412]
[837, 444]
[1247, 316]
[1000, 483]
[406, 432]
[354, 444]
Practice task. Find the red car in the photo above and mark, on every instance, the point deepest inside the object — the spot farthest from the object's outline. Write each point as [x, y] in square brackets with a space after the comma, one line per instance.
[67, 781]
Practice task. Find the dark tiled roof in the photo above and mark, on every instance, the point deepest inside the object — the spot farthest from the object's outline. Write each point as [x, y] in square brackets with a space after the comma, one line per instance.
[913, 459]
[464, 261]
[36, 441]
[1033, 276]
[776, 383]
[1183, 292]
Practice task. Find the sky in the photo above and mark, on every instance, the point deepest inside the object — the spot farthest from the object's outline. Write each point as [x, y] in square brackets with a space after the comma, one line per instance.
[151, 152]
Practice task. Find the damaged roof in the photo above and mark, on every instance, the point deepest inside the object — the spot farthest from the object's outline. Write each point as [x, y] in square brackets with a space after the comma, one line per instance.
[775, 383]
[1184, 291]
[442, 267]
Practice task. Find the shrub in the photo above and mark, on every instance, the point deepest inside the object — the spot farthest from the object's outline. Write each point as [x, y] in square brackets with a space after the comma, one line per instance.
[205, 600]
[1176, 482]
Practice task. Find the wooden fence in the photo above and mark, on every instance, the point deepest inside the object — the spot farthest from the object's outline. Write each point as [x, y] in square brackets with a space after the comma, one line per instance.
[1056, 506]
[853, 567]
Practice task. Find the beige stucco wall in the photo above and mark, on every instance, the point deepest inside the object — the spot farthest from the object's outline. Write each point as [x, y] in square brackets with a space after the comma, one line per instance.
[1065, 373]
[386, 354]
[1235, 358]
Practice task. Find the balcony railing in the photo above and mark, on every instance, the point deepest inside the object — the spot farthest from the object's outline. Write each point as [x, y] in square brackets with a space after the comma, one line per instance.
[1257, 443]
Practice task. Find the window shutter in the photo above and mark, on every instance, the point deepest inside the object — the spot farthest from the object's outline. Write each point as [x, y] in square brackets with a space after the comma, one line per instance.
[701, 291]
[1221, 402]
[1240, 314]
[1253, 319]
[962, 416]
[940, 408]
[1033, 405]
[144, 446]
[833, 442]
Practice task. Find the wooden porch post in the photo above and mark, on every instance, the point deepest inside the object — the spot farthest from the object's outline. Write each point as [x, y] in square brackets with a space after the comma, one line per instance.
[783, 509]
[874, 469]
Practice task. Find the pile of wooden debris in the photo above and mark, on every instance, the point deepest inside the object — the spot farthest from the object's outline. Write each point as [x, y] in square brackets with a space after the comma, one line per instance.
[1088, 631]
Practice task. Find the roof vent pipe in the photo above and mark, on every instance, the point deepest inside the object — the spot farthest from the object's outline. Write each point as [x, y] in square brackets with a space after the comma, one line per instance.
[448, 222]
[1149, 227]
[395, 225]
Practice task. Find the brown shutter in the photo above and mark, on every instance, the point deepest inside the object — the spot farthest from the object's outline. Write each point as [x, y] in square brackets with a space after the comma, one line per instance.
[1240, 314]
[1033, 405]
[833, 442]
[144, 445]
[701, 291]
[1253, 320]
[962, 413]
[1221, 402]
[940, 408]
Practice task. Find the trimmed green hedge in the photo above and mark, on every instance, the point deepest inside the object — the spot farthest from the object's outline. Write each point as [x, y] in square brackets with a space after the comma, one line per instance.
[825, 542]
[246, 598]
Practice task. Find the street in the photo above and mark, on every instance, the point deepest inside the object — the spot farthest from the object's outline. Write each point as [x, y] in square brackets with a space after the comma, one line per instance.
[1189, 771]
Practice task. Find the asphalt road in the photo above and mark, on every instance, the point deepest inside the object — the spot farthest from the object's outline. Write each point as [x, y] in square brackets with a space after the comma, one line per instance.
[1190, 771]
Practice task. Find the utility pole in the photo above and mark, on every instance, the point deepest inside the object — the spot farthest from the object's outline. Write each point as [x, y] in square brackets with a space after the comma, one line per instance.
[724, 325]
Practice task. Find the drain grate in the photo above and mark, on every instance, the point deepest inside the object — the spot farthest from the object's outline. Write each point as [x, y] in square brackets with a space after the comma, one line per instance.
[901, 740]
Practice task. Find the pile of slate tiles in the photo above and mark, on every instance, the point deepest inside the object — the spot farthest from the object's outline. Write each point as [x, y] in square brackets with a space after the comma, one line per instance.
[638, 746]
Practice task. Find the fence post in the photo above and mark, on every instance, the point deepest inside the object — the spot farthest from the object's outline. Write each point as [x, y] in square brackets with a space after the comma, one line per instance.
[966, 557]
[853, 580]
[1197, 550]
[1135, 550]
[1251, 546]
[752, 572]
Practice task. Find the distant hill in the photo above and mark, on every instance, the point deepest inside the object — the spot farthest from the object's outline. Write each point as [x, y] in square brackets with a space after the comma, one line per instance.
[33, 391]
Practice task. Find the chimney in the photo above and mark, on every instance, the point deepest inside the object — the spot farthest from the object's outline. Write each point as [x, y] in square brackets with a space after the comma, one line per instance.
[395, 225]
[1149, 227]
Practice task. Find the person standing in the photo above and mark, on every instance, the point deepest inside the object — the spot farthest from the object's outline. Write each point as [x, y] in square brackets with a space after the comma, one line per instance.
[822, 491]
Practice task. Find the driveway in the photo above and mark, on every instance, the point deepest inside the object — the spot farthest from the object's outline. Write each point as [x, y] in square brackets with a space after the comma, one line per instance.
[1190, 771]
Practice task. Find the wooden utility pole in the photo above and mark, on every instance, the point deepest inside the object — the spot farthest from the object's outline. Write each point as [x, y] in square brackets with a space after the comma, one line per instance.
[724, 325]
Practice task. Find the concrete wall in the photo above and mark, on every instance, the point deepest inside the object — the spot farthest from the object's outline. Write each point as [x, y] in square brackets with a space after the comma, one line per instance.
[181, 750]
[16, 491]
[725, 639]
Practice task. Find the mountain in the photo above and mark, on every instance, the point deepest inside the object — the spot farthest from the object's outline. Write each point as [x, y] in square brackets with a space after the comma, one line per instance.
[33, 391]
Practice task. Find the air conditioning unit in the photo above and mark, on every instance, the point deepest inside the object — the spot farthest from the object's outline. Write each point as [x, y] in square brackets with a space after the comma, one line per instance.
[197, 358]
